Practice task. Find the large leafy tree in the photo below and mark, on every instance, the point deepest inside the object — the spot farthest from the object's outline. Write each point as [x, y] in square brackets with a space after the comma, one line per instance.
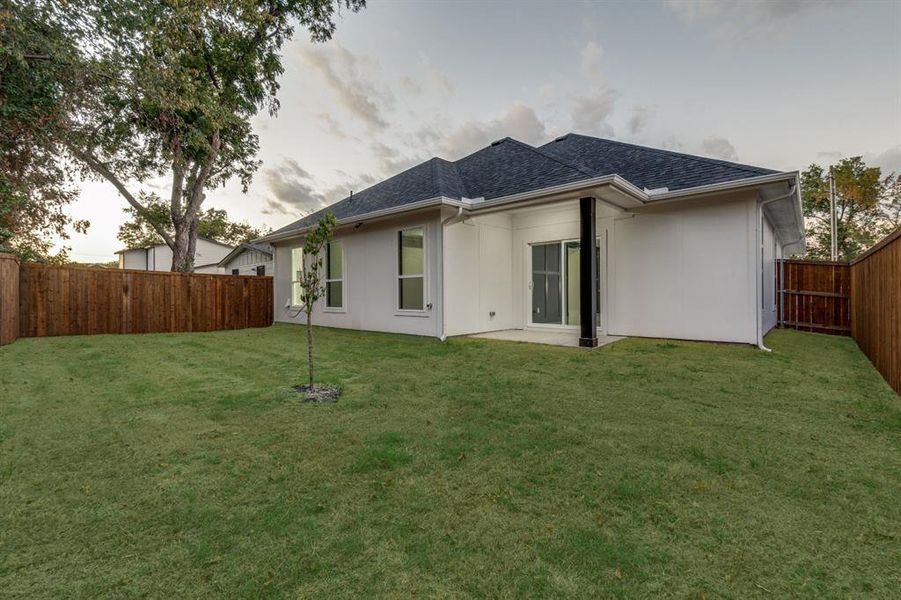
[177, 86]
[212, 223]
[868, 206]
[36, 84]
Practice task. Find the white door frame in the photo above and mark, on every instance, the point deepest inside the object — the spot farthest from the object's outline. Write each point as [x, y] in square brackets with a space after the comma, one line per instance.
[602, 284]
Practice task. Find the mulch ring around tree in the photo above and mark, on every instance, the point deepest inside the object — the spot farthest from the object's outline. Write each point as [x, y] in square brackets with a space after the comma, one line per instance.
[319, 393]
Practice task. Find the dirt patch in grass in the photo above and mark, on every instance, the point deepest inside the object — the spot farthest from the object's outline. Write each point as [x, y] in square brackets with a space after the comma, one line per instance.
[319, 393]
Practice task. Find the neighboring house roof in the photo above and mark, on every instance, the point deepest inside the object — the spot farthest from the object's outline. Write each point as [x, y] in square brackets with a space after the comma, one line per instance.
[264, 248]
[199, 237]
[508, 167]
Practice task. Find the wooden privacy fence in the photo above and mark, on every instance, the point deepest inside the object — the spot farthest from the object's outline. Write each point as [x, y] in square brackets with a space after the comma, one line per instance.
[815, 296]
[861, 299]
[876, 306]
[63, 300]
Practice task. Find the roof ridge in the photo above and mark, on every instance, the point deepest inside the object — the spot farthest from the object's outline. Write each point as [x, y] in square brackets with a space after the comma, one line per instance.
[548, 155]
[436, 160]
[694, 157]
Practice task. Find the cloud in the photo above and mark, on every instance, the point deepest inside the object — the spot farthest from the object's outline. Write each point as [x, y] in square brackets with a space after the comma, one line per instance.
[590, 112]
[438, 79]
[430, 79]
[751, 12]
[332, 126]
[592, 54]
[731, 20]
[889, 161]
[547, 92]
[292, 188]
[391, 161]
[831, 155]
[517, 121]
[641, 116]
[410, 85]
[718, 147]
[343, 73]
[296, 193]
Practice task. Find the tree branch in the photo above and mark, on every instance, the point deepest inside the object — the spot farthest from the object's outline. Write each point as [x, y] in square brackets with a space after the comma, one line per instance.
[101, 169]
[203, 175]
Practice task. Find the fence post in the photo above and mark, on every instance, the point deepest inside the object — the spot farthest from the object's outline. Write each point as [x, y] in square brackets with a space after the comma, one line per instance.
[9, 298]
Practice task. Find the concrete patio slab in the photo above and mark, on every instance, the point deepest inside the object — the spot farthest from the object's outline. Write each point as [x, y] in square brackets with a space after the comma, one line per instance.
[538, 336]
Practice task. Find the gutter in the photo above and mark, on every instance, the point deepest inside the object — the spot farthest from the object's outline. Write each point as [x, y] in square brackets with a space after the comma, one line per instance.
[712, 188]
[615, 181]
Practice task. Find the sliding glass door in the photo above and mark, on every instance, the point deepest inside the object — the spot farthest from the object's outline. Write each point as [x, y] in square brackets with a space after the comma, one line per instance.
[547, 289]
[555, 283]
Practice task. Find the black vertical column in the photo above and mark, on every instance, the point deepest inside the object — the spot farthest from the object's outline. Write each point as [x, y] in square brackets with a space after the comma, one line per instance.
[588, 274]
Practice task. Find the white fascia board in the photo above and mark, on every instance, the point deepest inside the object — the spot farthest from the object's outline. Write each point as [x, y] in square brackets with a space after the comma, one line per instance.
[585, 184]
[725, 186]
[376, 214]
[637, 195]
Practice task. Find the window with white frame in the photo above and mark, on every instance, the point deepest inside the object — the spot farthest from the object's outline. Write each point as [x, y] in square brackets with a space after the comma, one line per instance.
[296, 273]
[334, 275]
[411, 269]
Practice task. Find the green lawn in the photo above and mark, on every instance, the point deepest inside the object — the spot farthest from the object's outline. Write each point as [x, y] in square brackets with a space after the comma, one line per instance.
[183, 466]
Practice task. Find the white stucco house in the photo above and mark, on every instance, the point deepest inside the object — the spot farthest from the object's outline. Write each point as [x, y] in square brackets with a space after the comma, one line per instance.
[158, 257]
[683, 246]
[248, 259]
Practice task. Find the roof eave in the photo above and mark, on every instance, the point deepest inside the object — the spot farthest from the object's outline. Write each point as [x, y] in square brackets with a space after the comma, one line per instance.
[628, 196]
[725, 186]
[394, 210]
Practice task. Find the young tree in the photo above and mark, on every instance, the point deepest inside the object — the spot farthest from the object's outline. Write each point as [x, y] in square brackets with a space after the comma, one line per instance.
[310, 279]
[213, 223]
[180, 84]
[866, 206]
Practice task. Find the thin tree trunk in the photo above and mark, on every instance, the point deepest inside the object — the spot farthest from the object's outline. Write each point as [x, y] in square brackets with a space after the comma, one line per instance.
[310, 345]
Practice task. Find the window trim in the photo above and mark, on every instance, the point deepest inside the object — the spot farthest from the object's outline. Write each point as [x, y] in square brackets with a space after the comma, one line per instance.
[426, 303]
[342, 279]
[295, 282]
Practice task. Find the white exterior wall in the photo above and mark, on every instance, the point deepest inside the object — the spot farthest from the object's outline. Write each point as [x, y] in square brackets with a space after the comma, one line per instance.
[209, 270]
[247, 262]
[687, 271]
[370, 280]
[478, 274]
[159, 257]
[133, 259]
[552, 224]
[205, 253]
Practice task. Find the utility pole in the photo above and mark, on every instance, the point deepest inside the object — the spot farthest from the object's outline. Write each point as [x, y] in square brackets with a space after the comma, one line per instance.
[833, 226]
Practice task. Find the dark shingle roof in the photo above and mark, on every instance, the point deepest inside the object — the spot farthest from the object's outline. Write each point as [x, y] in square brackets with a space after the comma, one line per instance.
[509, 167]
[645, 167]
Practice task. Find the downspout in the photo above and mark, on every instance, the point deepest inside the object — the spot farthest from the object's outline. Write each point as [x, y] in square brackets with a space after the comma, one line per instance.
[455, 218]
[759, 259]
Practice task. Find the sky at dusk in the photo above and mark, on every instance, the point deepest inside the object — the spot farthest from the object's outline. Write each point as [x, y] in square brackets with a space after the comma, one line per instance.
[777, 84]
